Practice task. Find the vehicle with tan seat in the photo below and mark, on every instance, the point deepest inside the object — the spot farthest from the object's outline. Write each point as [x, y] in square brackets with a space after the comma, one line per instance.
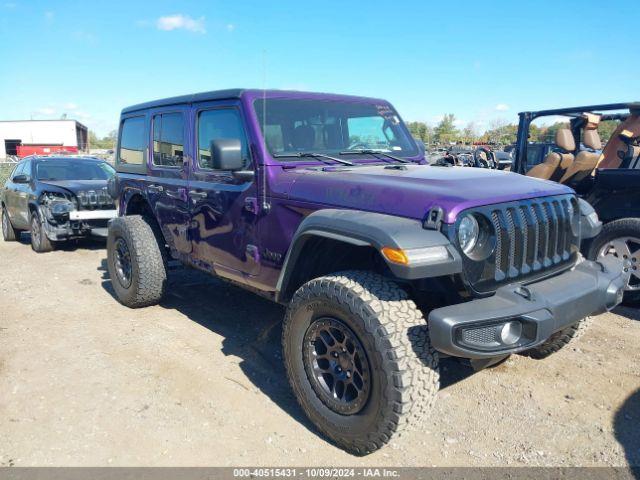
[608, 177]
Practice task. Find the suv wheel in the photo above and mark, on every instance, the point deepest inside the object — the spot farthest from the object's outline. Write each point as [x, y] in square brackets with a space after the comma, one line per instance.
[559, 339]
[9, 233]
[136, 265]
[621, 239]
[40, 243]
[359, 359]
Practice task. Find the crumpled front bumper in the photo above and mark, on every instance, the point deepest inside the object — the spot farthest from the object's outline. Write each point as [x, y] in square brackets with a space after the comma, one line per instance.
[476, 329]
[77, 223]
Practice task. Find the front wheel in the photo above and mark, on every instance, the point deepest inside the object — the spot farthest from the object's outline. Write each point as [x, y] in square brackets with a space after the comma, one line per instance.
[359, 359]
[40, 243]
[135, 262]
[621, 239]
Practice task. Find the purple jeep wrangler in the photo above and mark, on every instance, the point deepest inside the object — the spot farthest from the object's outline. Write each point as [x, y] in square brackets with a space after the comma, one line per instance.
[324, 204]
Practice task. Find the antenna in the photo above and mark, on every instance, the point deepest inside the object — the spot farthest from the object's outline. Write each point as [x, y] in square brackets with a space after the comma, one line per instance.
[265, 204]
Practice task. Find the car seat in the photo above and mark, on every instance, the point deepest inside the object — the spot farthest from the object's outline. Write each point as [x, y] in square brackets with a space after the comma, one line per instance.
[556, 163]
[586, 160]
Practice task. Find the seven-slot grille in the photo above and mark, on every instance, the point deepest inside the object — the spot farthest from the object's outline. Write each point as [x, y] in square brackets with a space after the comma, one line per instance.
[531, 237]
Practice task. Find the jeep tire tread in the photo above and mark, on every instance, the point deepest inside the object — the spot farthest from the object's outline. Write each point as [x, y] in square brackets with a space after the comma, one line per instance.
[395, 338]
[148, 268]
[559, 339]
[9, 234]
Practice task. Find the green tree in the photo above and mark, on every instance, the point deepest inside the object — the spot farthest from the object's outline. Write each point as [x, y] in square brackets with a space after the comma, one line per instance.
[421, 131]
[107, 142]
[606, 129]
[446, 131]
[469, 133]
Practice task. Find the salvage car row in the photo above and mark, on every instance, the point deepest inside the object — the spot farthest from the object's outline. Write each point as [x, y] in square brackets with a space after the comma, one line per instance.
[323, 203]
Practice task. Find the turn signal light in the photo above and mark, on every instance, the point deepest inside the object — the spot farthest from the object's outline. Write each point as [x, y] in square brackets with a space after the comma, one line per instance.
[395, 255]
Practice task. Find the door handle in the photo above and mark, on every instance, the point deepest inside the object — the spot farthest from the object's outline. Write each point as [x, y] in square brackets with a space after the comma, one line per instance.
[155, 188]
[196, 194]
[173, 194]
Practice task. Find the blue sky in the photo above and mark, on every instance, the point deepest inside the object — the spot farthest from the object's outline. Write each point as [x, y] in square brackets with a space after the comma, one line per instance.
[482, 61]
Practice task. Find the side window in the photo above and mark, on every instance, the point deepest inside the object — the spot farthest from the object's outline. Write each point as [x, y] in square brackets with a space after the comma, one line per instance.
[132, 141]
[224, 123]
[168, 139]
[26, 168]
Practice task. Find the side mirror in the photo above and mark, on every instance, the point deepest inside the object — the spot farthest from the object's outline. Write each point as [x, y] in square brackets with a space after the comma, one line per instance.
[22, 178]
[226, 154]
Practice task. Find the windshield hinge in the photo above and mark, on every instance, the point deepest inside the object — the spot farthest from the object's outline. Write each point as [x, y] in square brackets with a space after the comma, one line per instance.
[434, 219]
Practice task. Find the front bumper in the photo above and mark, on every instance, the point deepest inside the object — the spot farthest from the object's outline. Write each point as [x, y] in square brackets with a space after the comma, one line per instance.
[473, 329]
[77, 224]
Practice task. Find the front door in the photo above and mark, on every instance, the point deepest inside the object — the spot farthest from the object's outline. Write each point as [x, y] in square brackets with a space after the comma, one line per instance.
[223, 220]
[21, 197]
[169, 175]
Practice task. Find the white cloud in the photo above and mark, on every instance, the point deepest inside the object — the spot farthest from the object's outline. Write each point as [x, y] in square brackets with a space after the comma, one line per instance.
[230, 27]
[502, 107]
[49, 16]
[70, 106]
[179, 21]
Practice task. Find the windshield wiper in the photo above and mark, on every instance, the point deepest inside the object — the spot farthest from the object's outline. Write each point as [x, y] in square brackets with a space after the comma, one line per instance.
[320, 156]
[375, 152]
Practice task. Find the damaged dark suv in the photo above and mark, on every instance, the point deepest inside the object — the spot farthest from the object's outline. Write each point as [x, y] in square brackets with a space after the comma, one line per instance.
[57, 199]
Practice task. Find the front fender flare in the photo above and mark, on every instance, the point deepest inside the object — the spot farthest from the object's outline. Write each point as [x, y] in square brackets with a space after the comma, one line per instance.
[367, 229]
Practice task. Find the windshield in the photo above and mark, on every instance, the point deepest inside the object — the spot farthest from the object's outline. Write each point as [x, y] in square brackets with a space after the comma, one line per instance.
[73, 170]
[292, 126]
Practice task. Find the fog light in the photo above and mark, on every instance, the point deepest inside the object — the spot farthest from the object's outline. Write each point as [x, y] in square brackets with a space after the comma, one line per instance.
[510, 333]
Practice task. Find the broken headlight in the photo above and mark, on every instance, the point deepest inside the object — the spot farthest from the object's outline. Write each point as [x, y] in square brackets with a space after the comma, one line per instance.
[57, 204]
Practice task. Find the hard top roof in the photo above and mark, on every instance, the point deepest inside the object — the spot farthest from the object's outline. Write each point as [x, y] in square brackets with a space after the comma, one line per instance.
[236, 93]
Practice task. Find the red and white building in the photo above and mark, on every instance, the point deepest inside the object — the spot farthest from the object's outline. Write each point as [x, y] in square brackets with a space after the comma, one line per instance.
[43, 137]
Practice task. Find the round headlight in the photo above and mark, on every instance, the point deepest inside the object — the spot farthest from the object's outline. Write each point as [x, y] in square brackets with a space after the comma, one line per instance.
[468, 233]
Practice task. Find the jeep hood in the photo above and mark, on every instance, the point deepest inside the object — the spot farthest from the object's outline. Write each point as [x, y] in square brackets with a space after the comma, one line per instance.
[411, 190]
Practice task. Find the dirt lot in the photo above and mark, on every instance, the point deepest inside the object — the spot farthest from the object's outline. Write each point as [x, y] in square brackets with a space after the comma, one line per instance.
[199, 381]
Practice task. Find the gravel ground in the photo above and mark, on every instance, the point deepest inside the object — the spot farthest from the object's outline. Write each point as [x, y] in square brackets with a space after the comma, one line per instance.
[199, 380]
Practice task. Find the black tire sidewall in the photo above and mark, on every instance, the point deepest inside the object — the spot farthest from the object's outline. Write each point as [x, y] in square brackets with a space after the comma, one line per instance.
[118, 231]
[336, 425]
[8, 233]
[35, 220]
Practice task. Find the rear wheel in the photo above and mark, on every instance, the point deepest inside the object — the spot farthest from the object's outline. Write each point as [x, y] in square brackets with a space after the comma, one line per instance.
[9, 233]
[135, 262]
[359, 359]
[621, 239]
[40, 243]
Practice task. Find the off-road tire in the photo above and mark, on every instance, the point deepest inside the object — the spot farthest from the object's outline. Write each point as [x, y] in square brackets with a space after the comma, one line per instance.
[40, 243]
[395, 338]
[148, 268]
[624, 227]
[559, 339]
[9, 234]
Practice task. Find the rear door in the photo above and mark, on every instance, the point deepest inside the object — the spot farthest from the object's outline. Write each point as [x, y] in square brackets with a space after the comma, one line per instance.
[9, 193]
[168, 174]
[223, 220]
